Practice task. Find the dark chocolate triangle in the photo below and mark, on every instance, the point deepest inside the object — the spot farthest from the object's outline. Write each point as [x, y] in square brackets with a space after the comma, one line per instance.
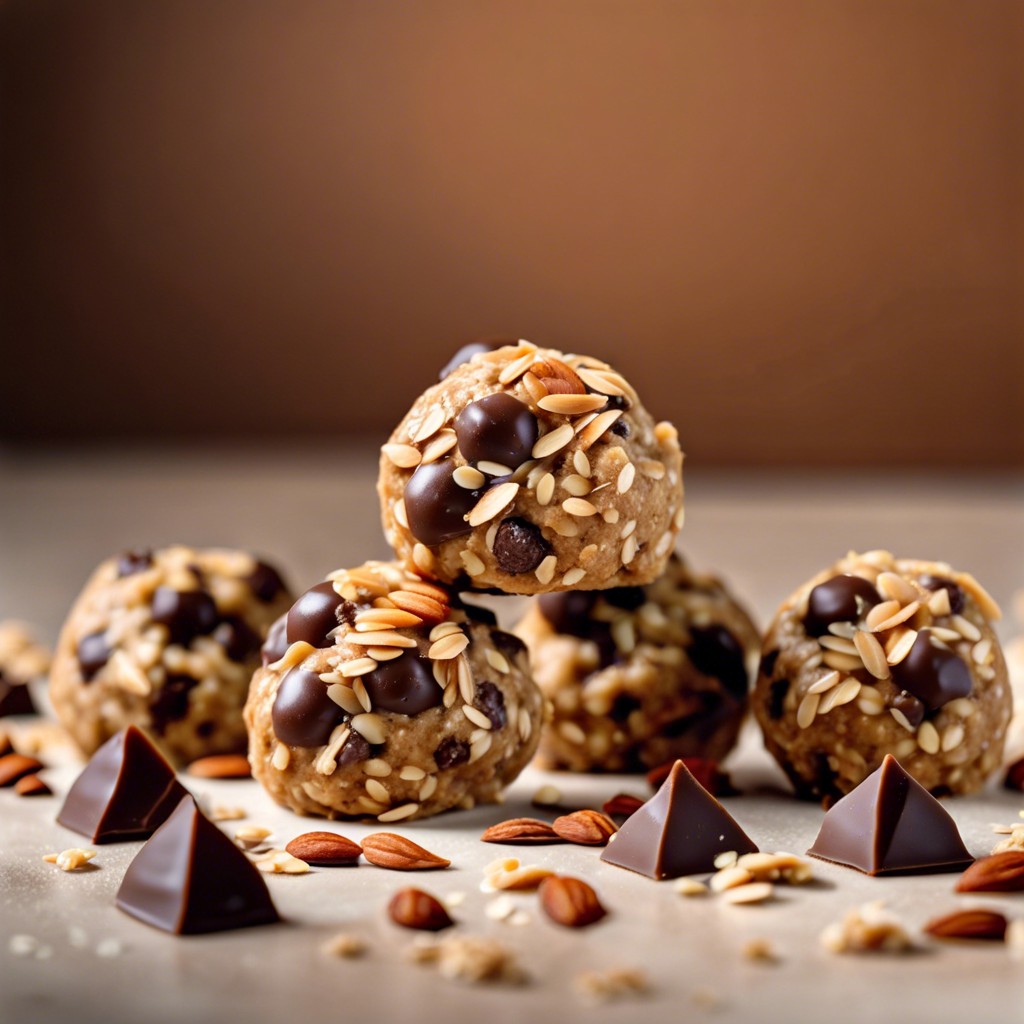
[190, 878]
[679, 831]
[126, 791]
[15, 698]
[891, 824]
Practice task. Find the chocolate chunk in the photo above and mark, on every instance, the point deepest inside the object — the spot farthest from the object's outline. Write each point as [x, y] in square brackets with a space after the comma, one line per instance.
[623, 706]
[956, 595]
[464, 354]
[767, 665]
[508, 643]
[715, 652]
[910, 707]
[404, 685]
[303, 714]
[933, 674]
[186, 613]
[265, 582]
[276, 644]
[568, 611]
[620, 427]
[131, 562]
[679, 831]
[777, 693]
[92, 653]
[477, 613]
[491, 701]
[314, 615]
[890, 824]
[356, 749]
[170, 702]
[519, 546]
[450, 753]
[15, 698]
[191, 879]
[836, 600]
[498, 428]
[627, 598]
[435, 505]
[239, 640]
[126, 791]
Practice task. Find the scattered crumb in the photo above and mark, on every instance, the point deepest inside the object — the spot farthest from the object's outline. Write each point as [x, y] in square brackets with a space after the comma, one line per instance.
[547, 796]
[690, 887]
[77, 937]
[109, 948]
[252, 838]
[508, 873]
[520, 918]
[760, 951]
[345, 945]
[70, 860]
[470, 959]
[222, 813]
[706, 998]
[726, 859]
[280, 862]
[500, 909]
[23, 945]
[604, 986]
[867, 928]
[752, 892]
[1015, 938]
[454, 899]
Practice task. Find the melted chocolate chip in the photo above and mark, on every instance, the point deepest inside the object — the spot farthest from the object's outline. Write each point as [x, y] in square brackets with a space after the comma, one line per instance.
[314, 615]
[303, 714]
[239, 640]
[435, 505]
[836, 600]
[491, 701]
[404, 685]
[508, 643]
[498, 428]
[715, 652]
[451, 752]
[956, 595]
[777, 692]
[265, 582]
[629, 598]
[276, 644]
[93, 653]
[356, 749]
[909, 706]
[519, 546]
[134, 561]
[935, 675]
[186, 613]
[767, 666]
[464, 354]
[170, 702]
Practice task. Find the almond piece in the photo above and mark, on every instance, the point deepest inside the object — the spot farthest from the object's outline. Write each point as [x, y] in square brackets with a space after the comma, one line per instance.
[622, 805]
[221, 766]
[32, 785]
[324, 849]
[570, 901]
[521, 831]
[558, 378]
[1002, 872]
[585, 828]
[414, 908]
[968, 924]
[388, 850]
[14, 766]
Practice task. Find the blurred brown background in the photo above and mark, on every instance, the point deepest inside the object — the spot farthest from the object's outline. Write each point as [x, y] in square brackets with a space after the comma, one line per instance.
[799, 226]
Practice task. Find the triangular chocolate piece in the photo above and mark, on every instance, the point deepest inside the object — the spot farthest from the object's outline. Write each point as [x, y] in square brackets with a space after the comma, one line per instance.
[126, 791]
[190, 878]
[890, 824]
[15, 698]
[679, 831]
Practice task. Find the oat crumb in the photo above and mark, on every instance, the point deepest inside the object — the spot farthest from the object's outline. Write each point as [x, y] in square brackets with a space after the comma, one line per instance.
[70, 860]
[345, 945]
[760, 951]
[867, 928]
[469, 958]
[616, 983]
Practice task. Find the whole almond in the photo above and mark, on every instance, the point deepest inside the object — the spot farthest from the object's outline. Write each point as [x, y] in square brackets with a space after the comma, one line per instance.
[969, 924]
[414, 908]
[558, 378]
[570, 901]
[324, 849]
[521, 831]
[221, 766]
[585, 828]
[32, 785]
[622, 805]
[14, 766]
[1002, 872]
[388, 850]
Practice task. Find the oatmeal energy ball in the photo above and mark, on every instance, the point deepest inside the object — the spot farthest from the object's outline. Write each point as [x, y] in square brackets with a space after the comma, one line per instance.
[881, 655]
[639, 676]
[166, 640]
[526, 471]
[384, 697]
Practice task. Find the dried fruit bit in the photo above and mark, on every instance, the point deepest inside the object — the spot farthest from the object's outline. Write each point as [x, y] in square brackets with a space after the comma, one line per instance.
[968, 924]
[585, 828]
[468, 958]
[604, 986]
[70, 860]
[622, 805]
[1002, 872]
[570, 901]
[221, 766]
[344, 945]
[867, 928]
[521, 830]
[414, 908]
[388, 850]
[324, 849]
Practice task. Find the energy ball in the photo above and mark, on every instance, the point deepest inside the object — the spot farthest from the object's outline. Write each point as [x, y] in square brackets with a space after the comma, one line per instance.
[385, 697]
[881, 655]
[166, 640]
[638, 676]
[528, 471]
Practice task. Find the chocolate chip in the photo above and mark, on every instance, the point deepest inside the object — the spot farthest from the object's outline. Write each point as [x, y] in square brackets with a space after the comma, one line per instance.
[621, 428]
[265, 582]
[356, 749]
[93, 653]
[451, 752]
[498, 428]
[623, 706]
[909, 706]
[491, 701]
[435, 505]
[767, 665]
[170, 702]
[477, 613]
[15, 699]
[464, 354]
[303, 714]
[715, 652]
[134, 561]
[777, 692]
[276, 644]
[956, 595]
[239, 640]
[186, 613]
[933, 674]
[519, 546]
[569, 611]
[836, 600]
[404, 685]
[314, 615]
[619, 402]
[508, 643]
[629, 598]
